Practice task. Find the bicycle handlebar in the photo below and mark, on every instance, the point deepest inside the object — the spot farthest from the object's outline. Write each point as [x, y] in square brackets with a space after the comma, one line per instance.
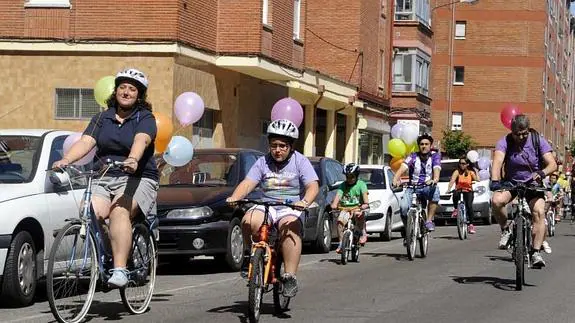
[268, 204]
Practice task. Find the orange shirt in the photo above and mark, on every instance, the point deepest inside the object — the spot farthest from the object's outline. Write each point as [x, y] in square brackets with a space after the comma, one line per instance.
[464, 182]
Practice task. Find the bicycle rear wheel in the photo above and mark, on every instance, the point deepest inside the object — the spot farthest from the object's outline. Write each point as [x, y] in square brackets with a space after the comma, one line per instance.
[137, 294]
[551, 224]
[281, 302]
[461, 223]
[423, 240]
[72, 274]
[519, 252]
[354, 250]
[411, 235]
[256, 286]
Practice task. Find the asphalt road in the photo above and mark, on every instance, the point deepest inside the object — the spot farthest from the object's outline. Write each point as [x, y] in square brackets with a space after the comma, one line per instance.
[459, 281]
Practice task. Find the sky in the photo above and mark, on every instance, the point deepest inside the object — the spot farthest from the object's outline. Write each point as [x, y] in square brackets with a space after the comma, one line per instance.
[572, 9]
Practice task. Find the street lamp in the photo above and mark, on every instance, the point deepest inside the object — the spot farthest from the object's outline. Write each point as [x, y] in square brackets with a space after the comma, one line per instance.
[451, 36]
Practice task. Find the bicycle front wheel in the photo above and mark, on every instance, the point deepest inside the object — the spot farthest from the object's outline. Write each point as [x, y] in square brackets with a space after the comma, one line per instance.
[281, 302]
[461, 225]
[345, 246]
[411, 235]
[72, 274]
[519, 252]
[137, 294]
[256, 285]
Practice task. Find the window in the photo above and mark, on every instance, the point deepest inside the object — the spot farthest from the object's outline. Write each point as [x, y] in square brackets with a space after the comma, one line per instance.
[457, 121]
[203, 130]
[296, 18]
[460, 27]
[370, 148]
[411, 71]
[47, 3]
[413, 10]
[458, 75]
[265, 9]
[76, 104]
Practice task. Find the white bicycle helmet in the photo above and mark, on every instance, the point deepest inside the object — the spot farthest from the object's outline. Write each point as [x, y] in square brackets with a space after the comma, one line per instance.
[351, 169]
[134, 75]
[283, 128]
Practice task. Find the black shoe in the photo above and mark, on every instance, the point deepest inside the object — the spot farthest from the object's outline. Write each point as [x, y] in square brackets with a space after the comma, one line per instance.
[244, 271]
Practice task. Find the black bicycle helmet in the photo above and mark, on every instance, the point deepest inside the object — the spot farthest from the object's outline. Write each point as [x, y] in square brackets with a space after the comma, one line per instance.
[351, 169]
[425, 136]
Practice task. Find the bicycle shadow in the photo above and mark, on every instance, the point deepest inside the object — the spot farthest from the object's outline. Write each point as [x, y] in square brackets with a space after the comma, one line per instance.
[241, 308]
[447, 238]
[499, 283]
[500, 258]
[115, 311]
[396, 256]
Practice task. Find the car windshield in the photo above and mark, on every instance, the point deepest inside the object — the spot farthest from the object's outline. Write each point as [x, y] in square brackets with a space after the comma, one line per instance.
[447, 170]
[17, 157]
[316, 166]
[374, 178]
[205, 169]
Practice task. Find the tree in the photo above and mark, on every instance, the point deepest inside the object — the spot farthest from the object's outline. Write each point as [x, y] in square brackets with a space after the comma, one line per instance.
[456, 143]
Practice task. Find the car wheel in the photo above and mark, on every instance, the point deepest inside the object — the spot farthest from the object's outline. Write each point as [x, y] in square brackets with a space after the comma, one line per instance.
[386, 235]
[235, 246]
[19, 285]
[323, 240]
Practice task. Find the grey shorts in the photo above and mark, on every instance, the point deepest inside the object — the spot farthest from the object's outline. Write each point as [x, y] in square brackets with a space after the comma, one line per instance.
[143, 190]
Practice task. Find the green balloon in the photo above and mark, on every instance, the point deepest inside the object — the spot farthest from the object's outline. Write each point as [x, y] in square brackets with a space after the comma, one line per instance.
[103, 89]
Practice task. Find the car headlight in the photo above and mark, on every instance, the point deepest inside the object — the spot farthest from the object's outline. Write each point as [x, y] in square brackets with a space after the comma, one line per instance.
[193, 213]
[480, 190]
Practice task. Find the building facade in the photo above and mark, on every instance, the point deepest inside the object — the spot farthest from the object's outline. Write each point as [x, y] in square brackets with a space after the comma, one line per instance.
[491, 53]
[240, 57]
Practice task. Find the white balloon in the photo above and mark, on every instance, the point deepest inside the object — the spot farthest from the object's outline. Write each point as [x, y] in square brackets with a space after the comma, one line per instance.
[409, 134]
[473, 156]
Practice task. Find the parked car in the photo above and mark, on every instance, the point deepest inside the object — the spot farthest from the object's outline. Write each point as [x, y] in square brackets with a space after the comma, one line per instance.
[32, 208]
[386, 218]
[481, 199]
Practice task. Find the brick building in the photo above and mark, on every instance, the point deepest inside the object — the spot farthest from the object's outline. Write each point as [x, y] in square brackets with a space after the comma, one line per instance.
[413, 47]
[495, 52]
[239, 56]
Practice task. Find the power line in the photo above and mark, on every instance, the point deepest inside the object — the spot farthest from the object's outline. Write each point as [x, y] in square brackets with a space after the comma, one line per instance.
[330, 43]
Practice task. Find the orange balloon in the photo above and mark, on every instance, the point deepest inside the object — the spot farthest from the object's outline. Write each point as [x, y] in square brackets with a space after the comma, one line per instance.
[165, 130]
[395, 163]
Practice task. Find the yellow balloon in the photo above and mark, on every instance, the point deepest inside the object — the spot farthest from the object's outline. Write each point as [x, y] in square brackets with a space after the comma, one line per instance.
[397, 148]
[103, 89]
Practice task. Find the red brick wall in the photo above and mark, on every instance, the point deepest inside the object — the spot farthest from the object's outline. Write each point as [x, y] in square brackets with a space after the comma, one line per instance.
[503, 55]
[239, 26]
[199, 29]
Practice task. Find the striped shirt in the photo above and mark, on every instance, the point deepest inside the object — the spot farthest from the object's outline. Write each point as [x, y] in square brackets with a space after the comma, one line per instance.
[419, 171]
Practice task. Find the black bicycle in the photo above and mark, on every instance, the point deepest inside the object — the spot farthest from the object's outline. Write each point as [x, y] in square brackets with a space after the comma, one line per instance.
[521, 237]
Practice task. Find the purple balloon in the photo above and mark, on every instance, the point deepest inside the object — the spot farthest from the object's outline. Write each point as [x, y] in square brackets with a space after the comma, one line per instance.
[70, 141]
[288, 108]
[397, 130]
[189, 108]
[484, 174]
[483, 163]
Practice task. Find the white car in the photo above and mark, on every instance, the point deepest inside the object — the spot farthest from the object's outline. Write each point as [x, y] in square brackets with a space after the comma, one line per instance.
[386, 218]
[481, 199]
[32, 208]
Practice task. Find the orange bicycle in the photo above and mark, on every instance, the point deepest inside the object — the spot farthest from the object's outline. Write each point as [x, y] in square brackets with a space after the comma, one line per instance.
[266, 265]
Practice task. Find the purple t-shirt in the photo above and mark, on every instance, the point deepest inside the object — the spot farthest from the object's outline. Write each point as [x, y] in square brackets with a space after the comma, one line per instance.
[420, 172]
[523, 161]
[287, 183]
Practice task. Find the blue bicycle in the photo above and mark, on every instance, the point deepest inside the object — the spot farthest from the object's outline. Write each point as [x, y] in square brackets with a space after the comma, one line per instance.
[81, 255]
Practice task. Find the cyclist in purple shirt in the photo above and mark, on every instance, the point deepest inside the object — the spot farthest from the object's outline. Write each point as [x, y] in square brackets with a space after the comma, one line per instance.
[424, 168]
[283, 174]
[523, 162]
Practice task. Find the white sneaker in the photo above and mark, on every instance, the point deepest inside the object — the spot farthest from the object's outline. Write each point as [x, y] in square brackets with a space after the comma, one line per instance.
[505, 235]
[546, 246]
[119, 277]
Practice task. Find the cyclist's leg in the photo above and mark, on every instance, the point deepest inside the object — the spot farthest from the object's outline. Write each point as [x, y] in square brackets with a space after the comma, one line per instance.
[499, 201]
[405, 204]
[342, 219]
[468, 199]
[132, 196]
[456, 197]
[433, 201]
[251, 223]
[360, 223]
[537, 205]
[290, 230]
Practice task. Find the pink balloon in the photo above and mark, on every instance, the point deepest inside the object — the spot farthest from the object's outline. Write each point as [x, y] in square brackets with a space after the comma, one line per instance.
[189, 108]
[507, 113]
[288, 108]
[70, 141]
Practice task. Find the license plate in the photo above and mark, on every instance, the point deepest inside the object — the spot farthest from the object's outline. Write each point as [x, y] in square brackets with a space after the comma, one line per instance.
[449, 209]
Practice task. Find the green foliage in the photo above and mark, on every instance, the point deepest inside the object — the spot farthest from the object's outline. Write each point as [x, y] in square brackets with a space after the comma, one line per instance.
[456, 143]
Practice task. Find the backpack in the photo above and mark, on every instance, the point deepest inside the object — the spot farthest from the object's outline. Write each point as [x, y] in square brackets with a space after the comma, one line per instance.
[535, 141]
